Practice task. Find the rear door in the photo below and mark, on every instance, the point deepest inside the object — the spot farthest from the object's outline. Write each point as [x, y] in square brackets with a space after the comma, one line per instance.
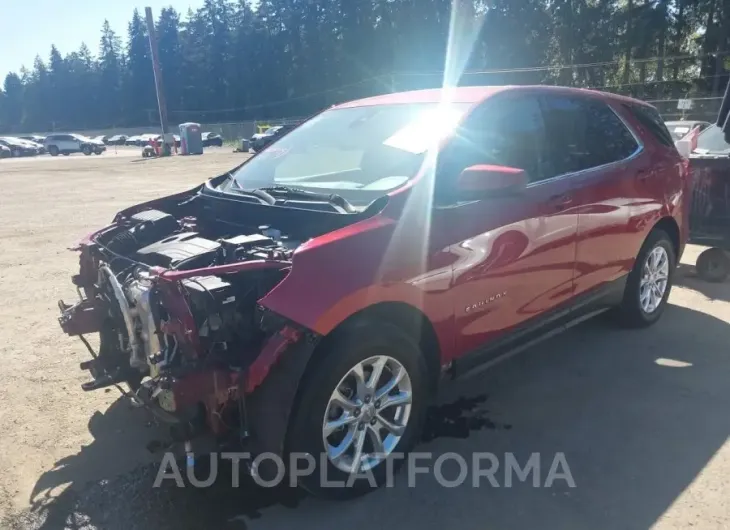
[592, 144]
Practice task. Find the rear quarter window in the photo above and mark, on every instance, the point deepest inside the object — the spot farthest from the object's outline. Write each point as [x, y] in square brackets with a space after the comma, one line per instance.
[583, 134]
[650, 120]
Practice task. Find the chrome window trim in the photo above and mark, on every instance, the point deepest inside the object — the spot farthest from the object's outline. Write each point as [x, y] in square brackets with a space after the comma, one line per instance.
[632, 156]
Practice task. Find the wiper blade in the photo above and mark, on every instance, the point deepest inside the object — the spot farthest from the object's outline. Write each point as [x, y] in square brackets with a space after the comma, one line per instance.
[236, 188]
[332, 198]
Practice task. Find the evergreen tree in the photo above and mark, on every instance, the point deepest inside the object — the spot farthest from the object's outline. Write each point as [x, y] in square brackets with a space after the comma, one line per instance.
[110, 79]
[138, 80]
[13, 89]
[256, 59]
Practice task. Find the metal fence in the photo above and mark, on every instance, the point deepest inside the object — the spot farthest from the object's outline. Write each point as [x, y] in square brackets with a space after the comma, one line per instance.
[701, 109]
[231, 132]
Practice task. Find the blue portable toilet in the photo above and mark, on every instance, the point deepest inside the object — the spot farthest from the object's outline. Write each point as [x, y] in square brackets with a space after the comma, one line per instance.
[191, 139]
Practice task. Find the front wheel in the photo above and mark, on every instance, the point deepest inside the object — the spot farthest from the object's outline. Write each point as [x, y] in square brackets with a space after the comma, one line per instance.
[86, 150]
[363, 402]
[649, 282]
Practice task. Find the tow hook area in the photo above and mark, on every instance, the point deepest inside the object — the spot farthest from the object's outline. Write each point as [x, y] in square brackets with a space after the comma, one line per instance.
[81, 318]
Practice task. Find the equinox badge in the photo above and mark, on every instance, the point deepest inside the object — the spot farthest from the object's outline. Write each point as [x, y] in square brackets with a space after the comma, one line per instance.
[482, 303]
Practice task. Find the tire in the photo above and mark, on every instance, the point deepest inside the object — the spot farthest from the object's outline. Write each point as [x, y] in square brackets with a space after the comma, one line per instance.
[632, 313]
[86, 150]
[713, 265]
[53, 150]
[16, 152]
[343, 352]
[65, 153]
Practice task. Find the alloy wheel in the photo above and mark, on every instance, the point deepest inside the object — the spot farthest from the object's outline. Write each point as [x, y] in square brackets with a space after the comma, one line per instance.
[367, 414]
[654, 279]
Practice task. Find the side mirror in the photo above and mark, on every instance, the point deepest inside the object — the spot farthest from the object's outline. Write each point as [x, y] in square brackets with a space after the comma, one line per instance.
[478, 182]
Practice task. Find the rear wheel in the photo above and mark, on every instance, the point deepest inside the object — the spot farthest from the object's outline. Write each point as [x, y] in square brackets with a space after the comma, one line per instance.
[649, 283]
[713, 265]
[17, 152]
[363, 401]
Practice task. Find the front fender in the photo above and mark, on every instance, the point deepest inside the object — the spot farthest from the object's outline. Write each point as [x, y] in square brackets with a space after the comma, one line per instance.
[343, 272]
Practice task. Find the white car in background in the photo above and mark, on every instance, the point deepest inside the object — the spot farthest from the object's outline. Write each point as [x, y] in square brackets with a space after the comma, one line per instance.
[66, 144]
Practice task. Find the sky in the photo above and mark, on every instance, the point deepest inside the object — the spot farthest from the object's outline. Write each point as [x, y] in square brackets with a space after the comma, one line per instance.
[29, 27]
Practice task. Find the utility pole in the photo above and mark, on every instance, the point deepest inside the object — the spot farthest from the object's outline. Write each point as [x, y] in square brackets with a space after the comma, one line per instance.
[159, 87]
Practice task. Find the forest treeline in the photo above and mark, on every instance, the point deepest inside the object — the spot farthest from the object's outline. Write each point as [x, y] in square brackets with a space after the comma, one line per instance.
[238, 60]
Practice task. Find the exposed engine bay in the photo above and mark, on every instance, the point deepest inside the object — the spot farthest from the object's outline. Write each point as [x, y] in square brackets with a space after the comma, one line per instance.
[175, 302]
[173, 289]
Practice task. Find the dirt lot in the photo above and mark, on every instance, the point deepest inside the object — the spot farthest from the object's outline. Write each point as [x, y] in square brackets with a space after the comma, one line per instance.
[642, 417]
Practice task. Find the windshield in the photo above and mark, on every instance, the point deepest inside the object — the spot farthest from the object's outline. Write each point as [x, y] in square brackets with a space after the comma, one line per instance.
[359, 153]
[272, 130]
[712, 140]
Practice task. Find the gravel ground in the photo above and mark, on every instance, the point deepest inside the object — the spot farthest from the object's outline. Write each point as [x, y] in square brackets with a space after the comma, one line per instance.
[641, 416]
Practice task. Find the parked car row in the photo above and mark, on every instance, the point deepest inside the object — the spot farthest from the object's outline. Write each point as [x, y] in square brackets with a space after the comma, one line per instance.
[20, 147]
[140, 140]
[67, 143]
[55, 144]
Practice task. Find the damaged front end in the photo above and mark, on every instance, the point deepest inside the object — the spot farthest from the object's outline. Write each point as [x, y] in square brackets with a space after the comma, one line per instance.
[174, 298]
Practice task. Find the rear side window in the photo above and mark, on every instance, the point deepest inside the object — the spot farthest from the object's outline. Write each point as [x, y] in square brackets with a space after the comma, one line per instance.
[583, 134]
[651, 120]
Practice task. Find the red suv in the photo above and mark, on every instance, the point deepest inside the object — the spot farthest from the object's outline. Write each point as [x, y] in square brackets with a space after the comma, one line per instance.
[312, 299]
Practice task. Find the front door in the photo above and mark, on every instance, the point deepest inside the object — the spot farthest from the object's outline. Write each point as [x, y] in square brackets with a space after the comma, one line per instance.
[514, 255]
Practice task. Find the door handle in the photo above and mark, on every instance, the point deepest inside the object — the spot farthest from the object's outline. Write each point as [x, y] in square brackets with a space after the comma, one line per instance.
[561, 201]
